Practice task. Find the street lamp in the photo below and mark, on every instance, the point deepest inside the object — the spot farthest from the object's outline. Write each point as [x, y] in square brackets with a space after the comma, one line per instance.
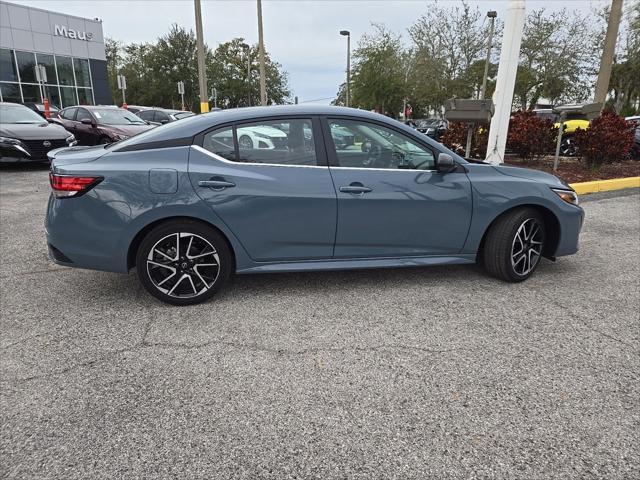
[492, 15]
[346, 33]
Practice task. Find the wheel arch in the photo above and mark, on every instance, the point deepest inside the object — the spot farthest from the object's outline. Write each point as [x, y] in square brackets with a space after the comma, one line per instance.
[551, 225]
[137, 239]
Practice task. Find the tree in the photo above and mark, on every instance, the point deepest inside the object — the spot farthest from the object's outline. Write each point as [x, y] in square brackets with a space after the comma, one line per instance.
[450, 48]
[233, 71]
[555, 60]
[153, 71]
[377, 78]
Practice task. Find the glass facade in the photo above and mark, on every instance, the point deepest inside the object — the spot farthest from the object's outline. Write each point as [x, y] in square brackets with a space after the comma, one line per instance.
[68, 78]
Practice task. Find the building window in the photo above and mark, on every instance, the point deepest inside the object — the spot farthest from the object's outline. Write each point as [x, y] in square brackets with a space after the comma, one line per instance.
[26, 66]
[31, 93]
[68, 79]
[81, 68]
[50, 66]
[85, 96]
[10, 92]
[8, 70]
[65, 71]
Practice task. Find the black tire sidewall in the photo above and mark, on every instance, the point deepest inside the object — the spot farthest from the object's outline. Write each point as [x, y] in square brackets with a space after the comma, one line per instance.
[161, 231]
[497, 252]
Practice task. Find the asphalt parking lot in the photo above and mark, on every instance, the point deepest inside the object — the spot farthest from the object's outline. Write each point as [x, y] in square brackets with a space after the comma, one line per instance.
[420, 373]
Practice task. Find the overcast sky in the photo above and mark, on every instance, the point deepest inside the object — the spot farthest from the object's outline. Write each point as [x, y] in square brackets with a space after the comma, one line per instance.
[301, 35]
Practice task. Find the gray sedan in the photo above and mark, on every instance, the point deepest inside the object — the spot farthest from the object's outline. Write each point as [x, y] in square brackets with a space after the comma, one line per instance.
[187, 203]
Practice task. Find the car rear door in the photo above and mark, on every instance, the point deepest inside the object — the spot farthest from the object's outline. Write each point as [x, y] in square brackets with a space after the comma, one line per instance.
[391, 200]
[275, 193]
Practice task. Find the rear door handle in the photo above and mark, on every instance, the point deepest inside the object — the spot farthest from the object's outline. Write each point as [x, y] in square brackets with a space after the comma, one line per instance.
[216, 184]
[355, 188]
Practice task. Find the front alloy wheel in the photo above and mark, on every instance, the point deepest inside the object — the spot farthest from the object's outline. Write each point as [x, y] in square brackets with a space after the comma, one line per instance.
[514, 245]
[183, 263]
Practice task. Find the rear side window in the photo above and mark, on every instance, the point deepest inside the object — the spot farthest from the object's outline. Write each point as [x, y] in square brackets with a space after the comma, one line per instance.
[273, 142]
[280, 142]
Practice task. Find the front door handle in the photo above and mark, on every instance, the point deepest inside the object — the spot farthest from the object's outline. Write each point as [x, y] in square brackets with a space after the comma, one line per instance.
[216, 184]
[355, 187]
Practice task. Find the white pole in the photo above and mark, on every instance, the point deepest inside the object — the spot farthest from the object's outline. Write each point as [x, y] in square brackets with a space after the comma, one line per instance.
[505, 83]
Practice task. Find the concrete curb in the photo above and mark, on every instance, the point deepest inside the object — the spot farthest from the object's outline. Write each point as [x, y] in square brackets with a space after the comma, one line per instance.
[605, 185]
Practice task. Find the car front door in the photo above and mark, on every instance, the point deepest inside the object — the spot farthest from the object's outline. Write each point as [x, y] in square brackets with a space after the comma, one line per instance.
[86, 133]
[274, 190]
[67, 117]
[391, 200]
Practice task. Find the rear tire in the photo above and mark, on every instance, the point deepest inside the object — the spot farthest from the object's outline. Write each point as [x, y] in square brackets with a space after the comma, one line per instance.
[514, 245]
[183, 262]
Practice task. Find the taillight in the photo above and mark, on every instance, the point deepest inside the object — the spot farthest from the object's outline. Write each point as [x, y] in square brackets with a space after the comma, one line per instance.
[65, 186]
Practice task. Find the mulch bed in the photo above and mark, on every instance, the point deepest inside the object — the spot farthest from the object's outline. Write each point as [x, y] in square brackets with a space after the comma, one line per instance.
[573, 170]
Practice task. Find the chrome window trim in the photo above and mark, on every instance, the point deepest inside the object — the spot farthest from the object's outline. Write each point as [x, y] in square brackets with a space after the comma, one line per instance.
[415, 170]
[230, 162]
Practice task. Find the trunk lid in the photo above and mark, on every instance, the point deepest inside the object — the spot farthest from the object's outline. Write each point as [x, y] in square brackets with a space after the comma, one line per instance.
[70, 155]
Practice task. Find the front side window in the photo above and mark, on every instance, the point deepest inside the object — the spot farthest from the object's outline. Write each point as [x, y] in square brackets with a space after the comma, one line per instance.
[82, 114]
[69, 113]
[360, 144]
[280, 142]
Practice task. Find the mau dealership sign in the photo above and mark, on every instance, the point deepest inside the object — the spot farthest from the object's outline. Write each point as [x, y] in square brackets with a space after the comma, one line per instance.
[63, 31]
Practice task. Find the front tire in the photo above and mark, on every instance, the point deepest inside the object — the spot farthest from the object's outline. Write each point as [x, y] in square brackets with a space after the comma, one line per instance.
[183, 262]
[514, 245]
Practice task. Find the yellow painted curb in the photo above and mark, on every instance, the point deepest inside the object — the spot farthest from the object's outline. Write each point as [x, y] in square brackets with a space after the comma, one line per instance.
[605, 185]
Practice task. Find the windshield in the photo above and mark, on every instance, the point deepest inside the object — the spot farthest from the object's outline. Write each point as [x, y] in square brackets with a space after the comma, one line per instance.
[117, 116]
[18, 114]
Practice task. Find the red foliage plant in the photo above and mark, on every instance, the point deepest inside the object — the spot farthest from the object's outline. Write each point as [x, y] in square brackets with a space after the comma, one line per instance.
[608, 139]
[530, 136]
[455, 138]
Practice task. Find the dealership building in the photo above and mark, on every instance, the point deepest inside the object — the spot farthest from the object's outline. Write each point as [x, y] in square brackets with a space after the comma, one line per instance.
[70, 49]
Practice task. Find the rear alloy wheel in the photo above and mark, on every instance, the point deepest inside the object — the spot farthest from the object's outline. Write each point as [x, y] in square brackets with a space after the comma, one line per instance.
[183, 263]
[514, 245]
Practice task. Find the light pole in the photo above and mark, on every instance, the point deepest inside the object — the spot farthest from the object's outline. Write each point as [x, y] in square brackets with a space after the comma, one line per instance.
[248, 75]
[202, 74]
[346, 33]
[492, 15]
[263, 80]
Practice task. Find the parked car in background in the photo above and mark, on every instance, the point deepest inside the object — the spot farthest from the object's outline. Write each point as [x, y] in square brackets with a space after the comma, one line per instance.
[39, 109]
[432, 127]
[572, 122]
[135, 108]
[635, 150]
[26, 137]
[186, 205]
[161, 116]
[93, 125]
[635, 119]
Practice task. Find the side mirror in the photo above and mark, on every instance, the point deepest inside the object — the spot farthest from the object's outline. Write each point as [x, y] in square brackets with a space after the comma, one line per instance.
[87, 121]
[164, 121]
[445, 163]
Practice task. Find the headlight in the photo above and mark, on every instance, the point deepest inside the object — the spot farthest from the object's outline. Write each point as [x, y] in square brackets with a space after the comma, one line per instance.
[70, 139]
[119, 136]
[10, 141]
[568, 196]
[430, 130]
